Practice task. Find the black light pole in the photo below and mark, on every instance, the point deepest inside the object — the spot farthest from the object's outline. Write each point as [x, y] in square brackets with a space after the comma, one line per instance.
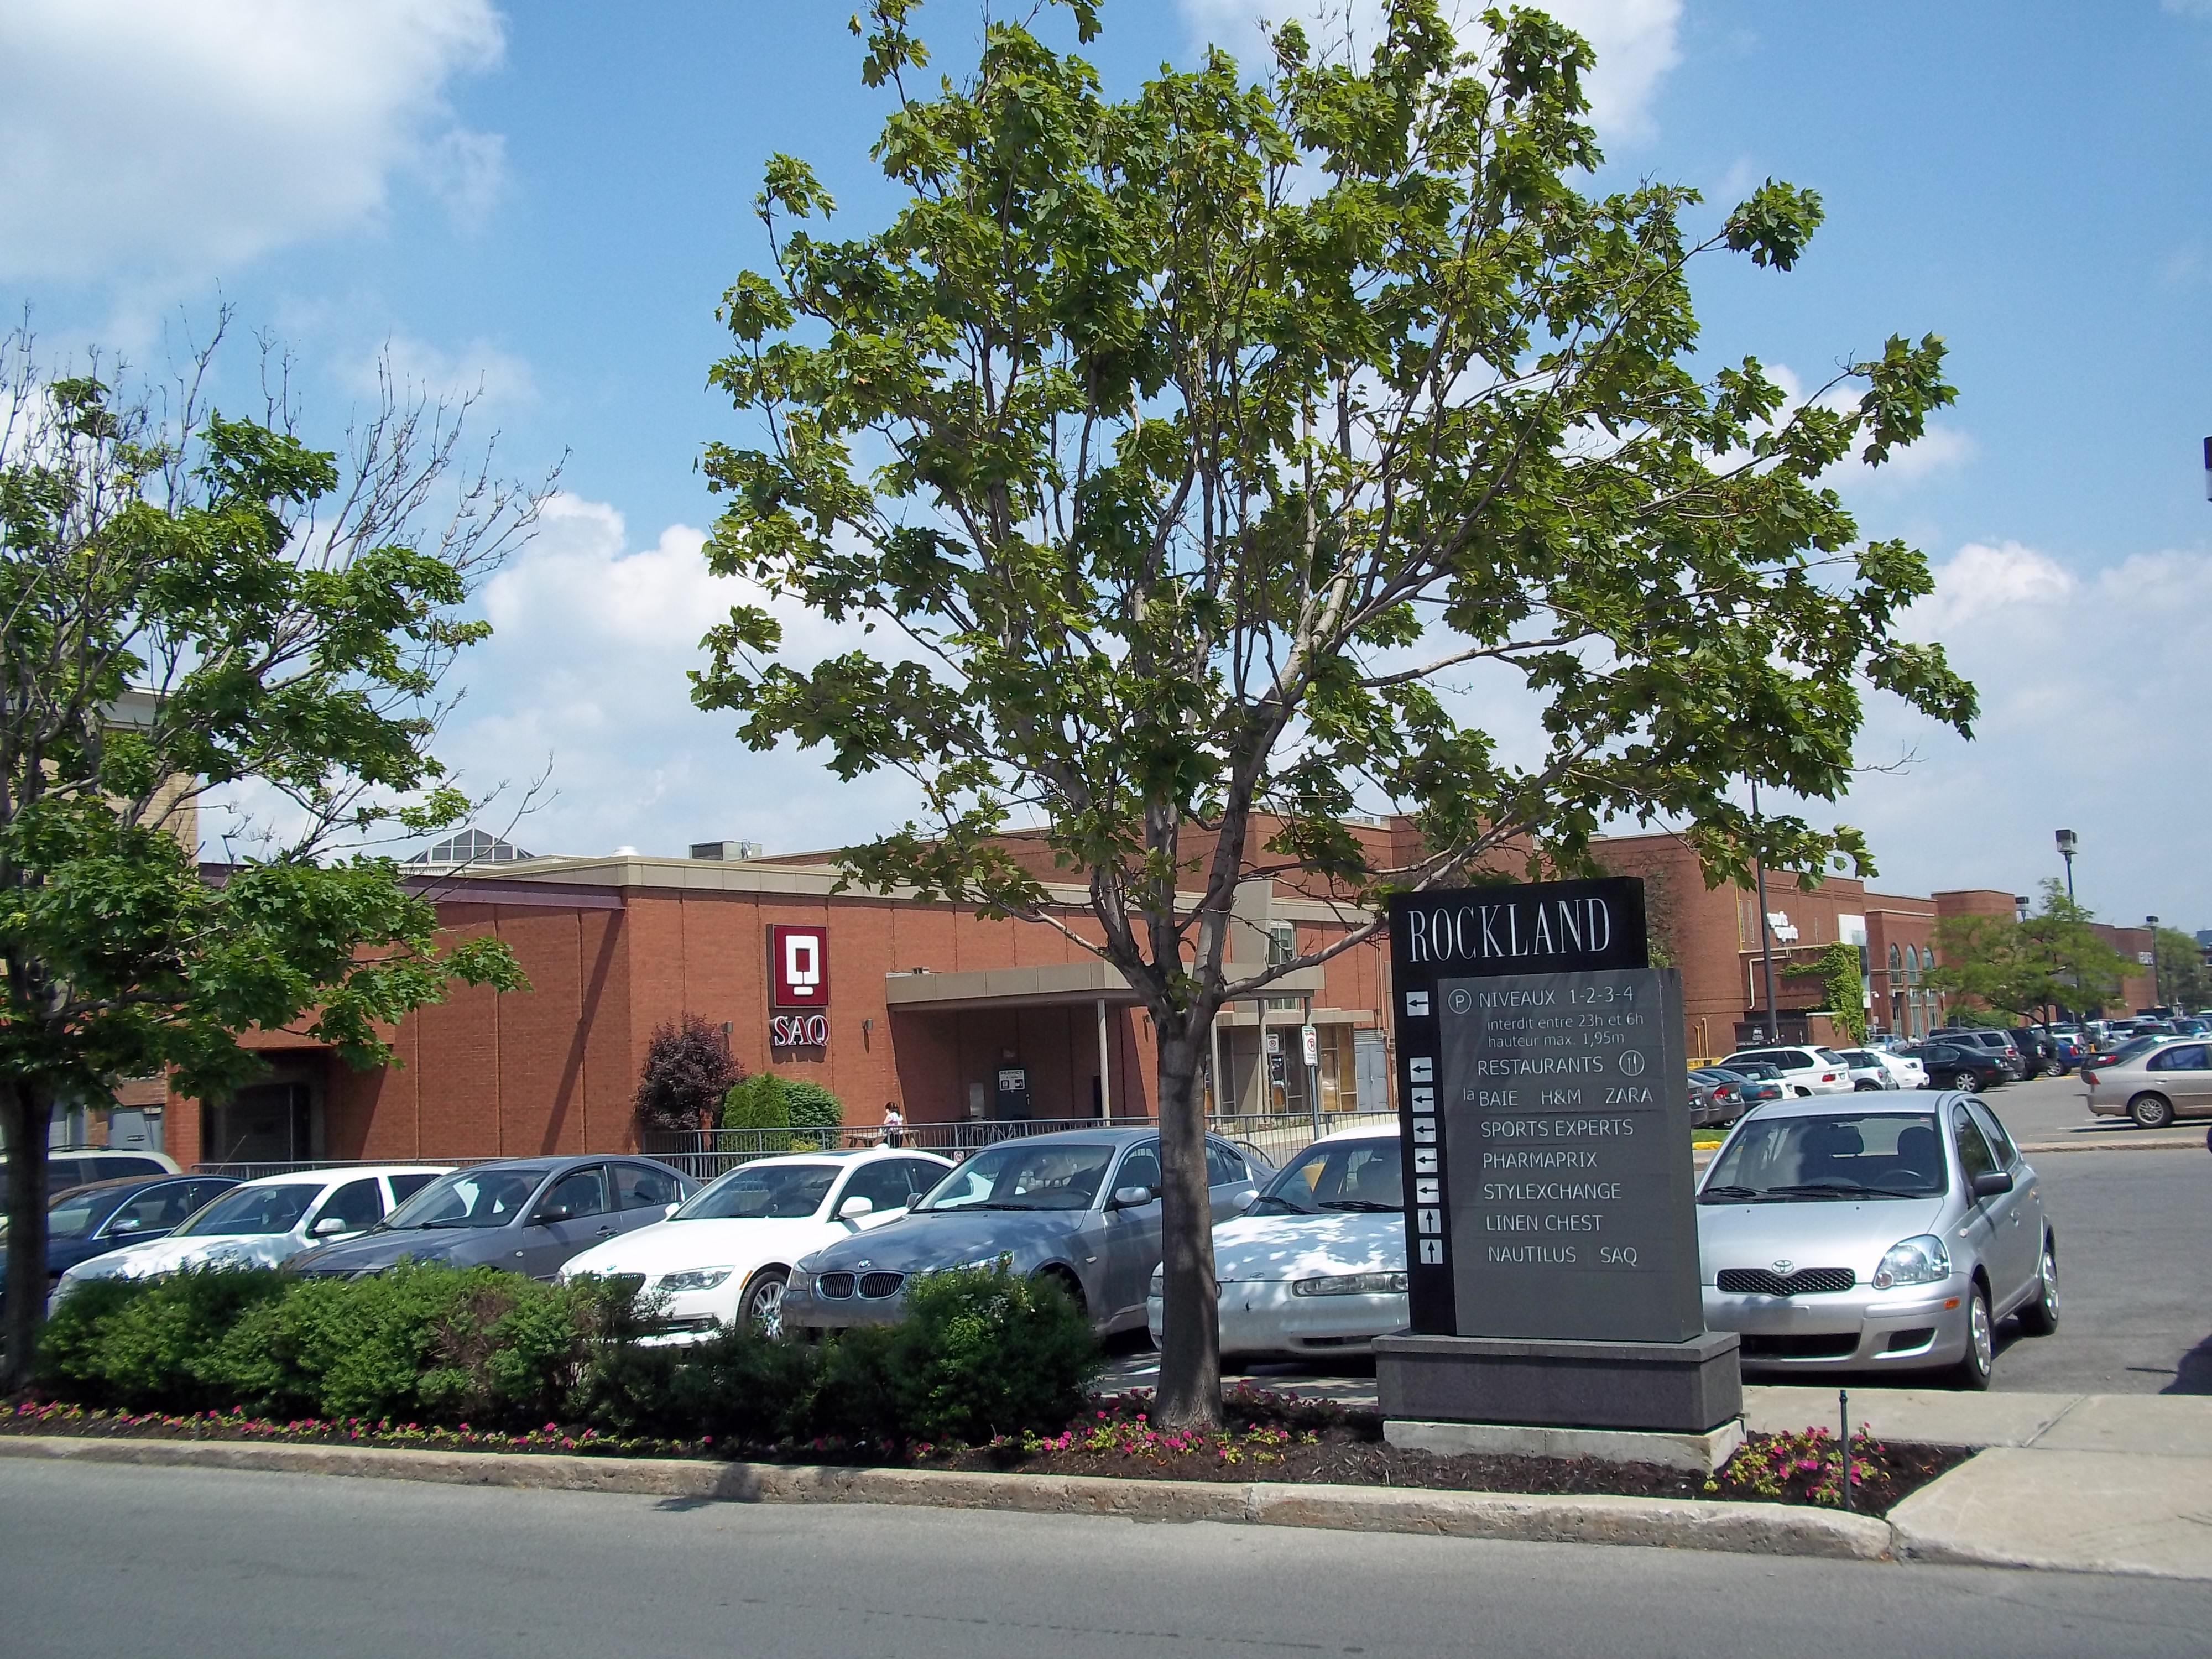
[1766, 931]
[2069, 843]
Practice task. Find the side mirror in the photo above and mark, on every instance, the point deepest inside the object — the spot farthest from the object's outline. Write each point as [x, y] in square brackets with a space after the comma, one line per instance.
[330, 1227]
[856, 1206]
[552, 1212]
[1991, 1182]
[1129, 1198]
[125, 1224]
[667, 1210]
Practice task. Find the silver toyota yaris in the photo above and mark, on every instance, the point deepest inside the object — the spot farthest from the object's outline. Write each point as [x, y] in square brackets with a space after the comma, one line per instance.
[1836, 1234]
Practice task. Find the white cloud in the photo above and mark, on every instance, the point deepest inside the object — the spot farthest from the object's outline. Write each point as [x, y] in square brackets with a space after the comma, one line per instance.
[479, 369]
[2091, 686]
[591, 641]
[1636, 42]
[147, 135]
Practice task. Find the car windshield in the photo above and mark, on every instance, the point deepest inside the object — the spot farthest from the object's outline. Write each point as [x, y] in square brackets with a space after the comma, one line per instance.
[253, 1210]
[773, 1192]
[1866, 1155]
[1861, 1058]
[1338, 1174]
[2134, 1048]
[73, 1215]
[471, 1198]
[1024, 1175]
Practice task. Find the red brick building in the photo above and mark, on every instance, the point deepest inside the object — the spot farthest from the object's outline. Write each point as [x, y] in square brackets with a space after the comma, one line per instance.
[927, 1005]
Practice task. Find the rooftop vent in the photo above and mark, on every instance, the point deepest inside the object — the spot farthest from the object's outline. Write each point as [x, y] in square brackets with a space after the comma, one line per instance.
[726, 850]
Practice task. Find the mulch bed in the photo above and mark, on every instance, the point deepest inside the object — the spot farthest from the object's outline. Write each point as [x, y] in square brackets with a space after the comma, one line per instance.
[1267, 1438]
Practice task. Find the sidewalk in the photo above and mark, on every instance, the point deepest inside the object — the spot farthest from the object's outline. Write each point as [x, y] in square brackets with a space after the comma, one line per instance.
[2077, 1482]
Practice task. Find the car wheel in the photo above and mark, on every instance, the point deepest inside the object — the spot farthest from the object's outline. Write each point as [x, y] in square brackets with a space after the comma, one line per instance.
[1973, 1372]
[762, 1311]
[2039, 1317]
[1963, 1081]
[1865, 1086]
[2151, 1111]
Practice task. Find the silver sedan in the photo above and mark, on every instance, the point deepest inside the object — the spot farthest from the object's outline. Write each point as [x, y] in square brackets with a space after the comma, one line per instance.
[1081, 1208]
[1840, 1235]
[2154, 1080]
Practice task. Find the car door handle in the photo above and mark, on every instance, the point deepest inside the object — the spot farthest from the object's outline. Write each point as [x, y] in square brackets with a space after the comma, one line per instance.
[606, 1232]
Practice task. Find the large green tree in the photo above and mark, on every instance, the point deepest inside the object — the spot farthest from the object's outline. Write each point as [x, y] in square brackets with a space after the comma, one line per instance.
[191, 602]
[2183, 980]
[1239, 455]
[2028, 968]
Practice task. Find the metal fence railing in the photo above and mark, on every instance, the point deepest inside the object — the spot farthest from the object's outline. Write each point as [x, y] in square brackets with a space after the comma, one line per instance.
[706, 1153]
[254, 1170]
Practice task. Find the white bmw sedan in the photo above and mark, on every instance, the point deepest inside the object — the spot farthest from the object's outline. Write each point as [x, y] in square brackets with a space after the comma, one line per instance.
[727, 1252]
[264, 1223]
[1317, 1264]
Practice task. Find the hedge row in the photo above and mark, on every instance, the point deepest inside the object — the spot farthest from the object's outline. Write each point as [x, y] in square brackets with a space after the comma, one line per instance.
[766, 1101]
[983, 1352]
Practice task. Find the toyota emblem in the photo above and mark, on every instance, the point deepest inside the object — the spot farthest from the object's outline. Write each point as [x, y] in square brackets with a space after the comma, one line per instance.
[1784, 1267]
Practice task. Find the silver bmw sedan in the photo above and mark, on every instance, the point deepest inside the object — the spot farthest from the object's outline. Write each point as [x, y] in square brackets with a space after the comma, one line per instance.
[1081, 1208]
[1837, 1235]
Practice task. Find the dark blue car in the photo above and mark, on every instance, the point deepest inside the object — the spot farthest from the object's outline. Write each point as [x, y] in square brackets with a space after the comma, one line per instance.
[89, 1221]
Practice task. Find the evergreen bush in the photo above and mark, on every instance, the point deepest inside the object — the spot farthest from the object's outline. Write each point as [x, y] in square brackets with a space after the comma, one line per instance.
[983, 1352]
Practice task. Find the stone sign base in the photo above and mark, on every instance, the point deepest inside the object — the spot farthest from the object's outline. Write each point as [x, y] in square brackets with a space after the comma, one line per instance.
[1701, 1454]
[1692, 1388]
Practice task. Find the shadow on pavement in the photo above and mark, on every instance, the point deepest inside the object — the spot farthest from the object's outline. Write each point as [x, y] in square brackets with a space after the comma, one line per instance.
[2194, 1374]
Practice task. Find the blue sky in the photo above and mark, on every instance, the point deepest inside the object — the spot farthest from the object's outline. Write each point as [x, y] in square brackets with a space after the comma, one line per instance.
[546, 199]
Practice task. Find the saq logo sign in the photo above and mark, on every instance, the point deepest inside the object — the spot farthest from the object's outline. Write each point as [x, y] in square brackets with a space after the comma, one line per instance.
[799, 986]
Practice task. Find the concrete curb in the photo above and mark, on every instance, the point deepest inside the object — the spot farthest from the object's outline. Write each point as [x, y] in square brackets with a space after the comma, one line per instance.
[2193, 1145]
[1666, 1522]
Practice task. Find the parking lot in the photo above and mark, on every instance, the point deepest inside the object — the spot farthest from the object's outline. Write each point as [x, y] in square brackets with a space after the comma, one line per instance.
[2135, 1229]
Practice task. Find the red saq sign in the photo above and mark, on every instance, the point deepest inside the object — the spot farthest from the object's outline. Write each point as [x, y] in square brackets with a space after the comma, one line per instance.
[799, 967]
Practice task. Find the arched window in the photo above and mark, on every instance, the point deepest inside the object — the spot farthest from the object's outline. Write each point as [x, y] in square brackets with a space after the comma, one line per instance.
[1913, 965]
[1895, 956]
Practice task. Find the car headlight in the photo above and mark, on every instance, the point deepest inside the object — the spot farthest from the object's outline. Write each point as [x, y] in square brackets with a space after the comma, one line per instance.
[1350, 1284]
[1920, 1260]
[693, 1279]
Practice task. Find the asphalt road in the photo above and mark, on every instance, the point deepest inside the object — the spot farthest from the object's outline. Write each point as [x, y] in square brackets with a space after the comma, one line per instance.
[188, 1564]
[2056, 1108]
[2135, 1239]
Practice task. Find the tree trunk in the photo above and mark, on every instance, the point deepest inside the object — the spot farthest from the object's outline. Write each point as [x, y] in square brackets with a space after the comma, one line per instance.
[1190, 1338]
[29, 1108]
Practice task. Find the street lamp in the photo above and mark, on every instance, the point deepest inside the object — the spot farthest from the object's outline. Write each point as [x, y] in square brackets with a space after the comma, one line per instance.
[2068, 843]
[2151, 923]
[1765, 934]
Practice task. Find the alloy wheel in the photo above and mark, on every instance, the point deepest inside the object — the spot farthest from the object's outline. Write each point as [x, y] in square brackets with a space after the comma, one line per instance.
[2150, 1111]
[764, 1308]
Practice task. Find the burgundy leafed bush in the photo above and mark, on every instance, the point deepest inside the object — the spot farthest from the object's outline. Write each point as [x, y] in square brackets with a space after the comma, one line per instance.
[687, 1070]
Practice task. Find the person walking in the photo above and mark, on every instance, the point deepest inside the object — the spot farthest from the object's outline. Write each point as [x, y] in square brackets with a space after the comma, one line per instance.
[894, 1125]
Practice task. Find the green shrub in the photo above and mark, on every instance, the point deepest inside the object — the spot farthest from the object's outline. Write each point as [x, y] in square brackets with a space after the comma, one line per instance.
[737, 1387]
[766, 1102]
[811, 1106]
[420, 1343]
[152, 1343]
[986, 1350]
[762, 1104]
